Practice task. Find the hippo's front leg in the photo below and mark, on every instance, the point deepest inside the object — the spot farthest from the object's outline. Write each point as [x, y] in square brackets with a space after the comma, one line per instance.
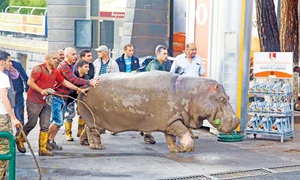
[94, 138]
[180, 130]
[171, 142]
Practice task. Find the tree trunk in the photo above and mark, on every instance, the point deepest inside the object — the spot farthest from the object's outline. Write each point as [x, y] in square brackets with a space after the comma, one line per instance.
[289, 38]
[267, 26]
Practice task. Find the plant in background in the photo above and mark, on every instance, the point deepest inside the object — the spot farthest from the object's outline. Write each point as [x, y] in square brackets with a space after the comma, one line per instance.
[3, 5]
[30, 3]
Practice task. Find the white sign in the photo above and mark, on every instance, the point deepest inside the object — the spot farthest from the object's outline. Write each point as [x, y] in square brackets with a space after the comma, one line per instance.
[112, 8]
[276, 64]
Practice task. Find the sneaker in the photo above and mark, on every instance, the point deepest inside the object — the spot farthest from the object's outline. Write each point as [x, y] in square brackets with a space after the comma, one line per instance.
[53, 146]
[49, 145]
[149, 139]
[57, 147]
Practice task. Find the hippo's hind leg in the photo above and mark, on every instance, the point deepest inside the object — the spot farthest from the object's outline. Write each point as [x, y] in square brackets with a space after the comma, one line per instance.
[171, 142]
[94, 138]
[180, 130]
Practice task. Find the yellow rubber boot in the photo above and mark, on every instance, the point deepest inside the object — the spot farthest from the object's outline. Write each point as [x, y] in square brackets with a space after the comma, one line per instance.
[80, 126]
[20, 143]
[69, 131]
[43, 145]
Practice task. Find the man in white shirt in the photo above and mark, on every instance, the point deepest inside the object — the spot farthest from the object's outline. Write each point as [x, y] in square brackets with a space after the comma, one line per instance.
[188, 63]
[7, 115]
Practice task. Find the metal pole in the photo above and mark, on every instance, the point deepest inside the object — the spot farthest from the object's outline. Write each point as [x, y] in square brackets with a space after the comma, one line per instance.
[171, 19]
[278, 12]
[246, 62]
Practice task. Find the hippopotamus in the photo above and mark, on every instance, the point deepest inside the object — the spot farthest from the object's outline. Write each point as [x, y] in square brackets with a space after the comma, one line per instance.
[156, 101]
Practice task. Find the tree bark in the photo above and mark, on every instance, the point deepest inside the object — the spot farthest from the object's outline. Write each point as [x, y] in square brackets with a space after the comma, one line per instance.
[267, 26]
[289, 38]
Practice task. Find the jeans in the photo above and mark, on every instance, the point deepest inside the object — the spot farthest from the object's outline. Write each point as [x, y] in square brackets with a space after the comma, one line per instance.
[19, 107]
[58, 109]
[70, 112]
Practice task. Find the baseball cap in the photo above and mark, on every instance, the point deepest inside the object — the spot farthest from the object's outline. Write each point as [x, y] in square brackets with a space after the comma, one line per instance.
[102, 48]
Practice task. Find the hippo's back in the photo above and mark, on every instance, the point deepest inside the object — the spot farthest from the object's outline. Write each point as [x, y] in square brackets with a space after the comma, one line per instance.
[143, 81]
[132, 101]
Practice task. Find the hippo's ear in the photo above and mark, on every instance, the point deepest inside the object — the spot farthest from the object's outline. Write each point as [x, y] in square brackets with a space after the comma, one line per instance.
[216, 87]
[213, 87]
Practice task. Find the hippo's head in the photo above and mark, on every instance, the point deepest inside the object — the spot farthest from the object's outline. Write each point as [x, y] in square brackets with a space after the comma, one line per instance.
[215, 107]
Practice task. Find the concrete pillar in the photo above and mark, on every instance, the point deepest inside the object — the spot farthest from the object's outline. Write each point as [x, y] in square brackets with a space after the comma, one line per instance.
[61, 16]
[227, 19]
[145, 25]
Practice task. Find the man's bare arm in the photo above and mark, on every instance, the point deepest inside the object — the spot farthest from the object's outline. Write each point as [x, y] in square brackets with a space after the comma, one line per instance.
[7, 106]
[31, 83]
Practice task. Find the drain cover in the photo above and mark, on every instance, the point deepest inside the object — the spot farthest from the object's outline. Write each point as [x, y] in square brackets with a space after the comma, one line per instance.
[286, 168]
[198, 177]
[240, 174]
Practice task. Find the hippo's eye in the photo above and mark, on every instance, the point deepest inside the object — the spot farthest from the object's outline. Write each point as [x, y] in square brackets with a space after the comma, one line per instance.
[223, 100]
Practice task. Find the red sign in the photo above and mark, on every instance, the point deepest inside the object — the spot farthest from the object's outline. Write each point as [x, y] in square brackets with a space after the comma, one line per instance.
[112, 8]
[112, 14]
[272, 55]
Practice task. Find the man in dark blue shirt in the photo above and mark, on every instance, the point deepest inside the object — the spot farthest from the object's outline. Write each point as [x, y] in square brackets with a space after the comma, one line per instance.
[128, 62]
[19, 84]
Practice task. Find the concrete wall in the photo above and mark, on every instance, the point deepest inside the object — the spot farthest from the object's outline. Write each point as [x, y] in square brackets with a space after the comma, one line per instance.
[179, 14]
[28, 52]
[145, 25]
[61, 16]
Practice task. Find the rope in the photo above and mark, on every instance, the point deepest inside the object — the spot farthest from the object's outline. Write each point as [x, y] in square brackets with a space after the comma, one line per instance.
[62, 96]
[34, 158]
[93, 114]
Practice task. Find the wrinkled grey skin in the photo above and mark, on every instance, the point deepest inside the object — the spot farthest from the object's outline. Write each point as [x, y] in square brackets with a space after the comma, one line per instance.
[156, 101]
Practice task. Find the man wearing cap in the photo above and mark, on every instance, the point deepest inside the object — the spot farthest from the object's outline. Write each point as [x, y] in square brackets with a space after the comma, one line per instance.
[104, 64]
